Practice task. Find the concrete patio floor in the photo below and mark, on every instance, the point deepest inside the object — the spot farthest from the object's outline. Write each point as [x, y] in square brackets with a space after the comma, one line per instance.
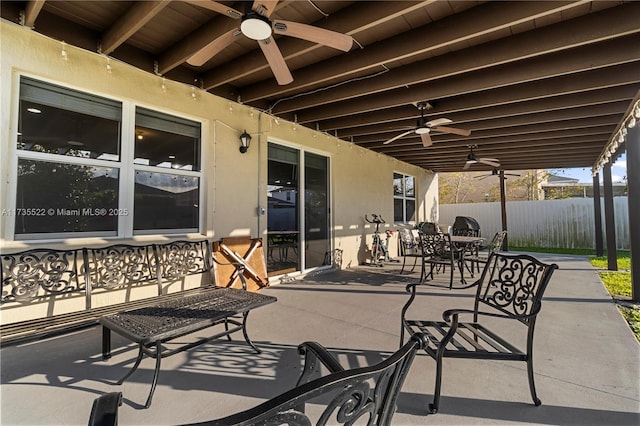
[587, 361]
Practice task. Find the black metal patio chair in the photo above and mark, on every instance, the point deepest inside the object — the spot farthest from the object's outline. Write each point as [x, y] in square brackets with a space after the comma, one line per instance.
[439, 253]
[512, 287]
[409, 246]
[366, 393]
[495, 245]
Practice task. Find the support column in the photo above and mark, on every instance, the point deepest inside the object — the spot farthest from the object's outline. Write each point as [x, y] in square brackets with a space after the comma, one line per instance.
[633, 179]
[597, 215]
[609, 219]
[503, 211]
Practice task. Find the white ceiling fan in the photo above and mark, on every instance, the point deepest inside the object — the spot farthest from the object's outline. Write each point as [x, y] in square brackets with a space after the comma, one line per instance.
[423, 127]
[472, 159]
[256, 25]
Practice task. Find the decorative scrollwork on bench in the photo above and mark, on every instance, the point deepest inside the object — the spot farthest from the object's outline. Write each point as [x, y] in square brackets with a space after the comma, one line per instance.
[181, 258]
[29, 275]
[119, 265]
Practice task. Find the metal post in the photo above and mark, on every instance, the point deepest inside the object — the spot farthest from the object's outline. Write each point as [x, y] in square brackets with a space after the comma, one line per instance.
[597, 215]
[633, 182]
[609, 219]
[503, 210]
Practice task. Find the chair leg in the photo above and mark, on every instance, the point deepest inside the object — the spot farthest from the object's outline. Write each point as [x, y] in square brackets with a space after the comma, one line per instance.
[435, 405]
[532, 385]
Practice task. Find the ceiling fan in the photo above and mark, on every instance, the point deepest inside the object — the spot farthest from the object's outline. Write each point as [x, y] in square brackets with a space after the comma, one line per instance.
[423, 128]
[256, 25]
[471, 159]
[495, 172]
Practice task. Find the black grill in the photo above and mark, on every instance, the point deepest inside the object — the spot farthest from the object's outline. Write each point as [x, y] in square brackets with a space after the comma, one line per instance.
[466, 226]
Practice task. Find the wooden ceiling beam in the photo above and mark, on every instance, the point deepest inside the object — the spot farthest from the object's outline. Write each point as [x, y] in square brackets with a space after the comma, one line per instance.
[541, 138]
[478, 21]
[588, 29]
[31, 11]
[564, 143]
[541, 88]
[475, 120]
[542, 131]
[601, 55]
[124, 27]
[459, 107]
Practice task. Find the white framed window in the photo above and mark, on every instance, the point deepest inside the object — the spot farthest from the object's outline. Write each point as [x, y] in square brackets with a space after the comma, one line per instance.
[84, 170]
[404, 198]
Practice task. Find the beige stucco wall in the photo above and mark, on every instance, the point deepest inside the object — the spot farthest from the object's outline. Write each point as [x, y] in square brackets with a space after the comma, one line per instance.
[234, 184]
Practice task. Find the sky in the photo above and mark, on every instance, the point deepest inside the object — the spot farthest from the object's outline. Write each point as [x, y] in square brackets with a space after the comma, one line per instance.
[618, 172]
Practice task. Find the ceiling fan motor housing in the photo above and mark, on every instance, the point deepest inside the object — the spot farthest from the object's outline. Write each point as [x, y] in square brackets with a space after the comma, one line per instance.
[256, 26]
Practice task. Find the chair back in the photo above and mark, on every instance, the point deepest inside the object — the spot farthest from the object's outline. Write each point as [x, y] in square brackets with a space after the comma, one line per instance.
[436, 245]
[496, 242]
[514, 285]
[407, 244]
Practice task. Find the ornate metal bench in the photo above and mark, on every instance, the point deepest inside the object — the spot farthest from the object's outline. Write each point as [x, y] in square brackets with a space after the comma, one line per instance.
[369, 393]
[512, 286]
[52, 277]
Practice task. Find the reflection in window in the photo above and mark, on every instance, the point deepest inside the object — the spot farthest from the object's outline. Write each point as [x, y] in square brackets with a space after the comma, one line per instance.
[404, 198]
[163, 140]
[165, 201]
[58, 197]
[56, 120]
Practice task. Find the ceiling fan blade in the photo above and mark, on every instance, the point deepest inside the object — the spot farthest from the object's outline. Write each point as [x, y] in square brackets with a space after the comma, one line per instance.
[467, 165]
[216, 7]
[438, 121]
[398, 137]
[276, 61]
[452, 130]
[489, 162]
[426, 139]
[265, 7]
[313, 34]
[213, 48]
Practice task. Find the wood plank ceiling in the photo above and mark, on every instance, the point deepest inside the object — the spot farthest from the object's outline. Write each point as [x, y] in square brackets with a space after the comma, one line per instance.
[539, 84]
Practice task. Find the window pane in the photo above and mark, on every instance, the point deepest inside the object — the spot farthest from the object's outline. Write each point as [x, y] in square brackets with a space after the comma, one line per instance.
[60, 131]
[411, 211]
[56, 198]
[398, 212]
[167, 141]
[165, 201]
[397, 184]
[409, 187]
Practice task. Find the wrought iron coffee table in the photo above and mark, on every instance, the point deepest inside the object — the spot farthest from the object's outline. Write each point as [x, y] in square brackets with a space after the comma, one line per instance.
[152, 326]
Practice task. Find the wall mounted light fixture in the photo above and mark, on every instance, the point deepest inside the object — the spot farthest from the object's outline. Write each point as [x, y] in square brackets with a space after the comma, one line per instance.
[245, 140]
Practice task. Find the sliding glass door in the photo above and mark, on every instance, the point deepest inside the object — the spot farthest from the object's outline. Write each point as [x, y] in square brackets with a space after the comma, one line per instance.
[316, 209]
[298, 199]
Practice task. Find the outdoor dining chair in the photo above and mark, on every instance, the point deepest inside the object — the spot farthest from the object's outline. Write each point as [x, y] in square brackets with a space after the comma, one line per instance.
[409, 246]
[438, 252]
[495, 245]
[511, 289]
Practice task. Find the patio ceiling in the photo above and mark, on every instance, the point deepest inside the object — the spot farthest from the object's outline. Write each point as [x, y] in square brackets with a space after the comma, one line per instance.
[538, 84]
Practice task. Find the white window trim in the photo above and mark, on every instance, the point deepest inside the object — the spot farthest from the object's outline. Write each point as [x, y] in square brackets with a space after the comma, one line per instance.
[404, 197]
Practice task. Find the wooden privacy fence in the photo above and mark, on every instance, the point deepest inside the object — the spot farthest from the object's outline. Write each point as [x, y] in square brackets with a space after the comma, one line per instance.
[567, 223]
